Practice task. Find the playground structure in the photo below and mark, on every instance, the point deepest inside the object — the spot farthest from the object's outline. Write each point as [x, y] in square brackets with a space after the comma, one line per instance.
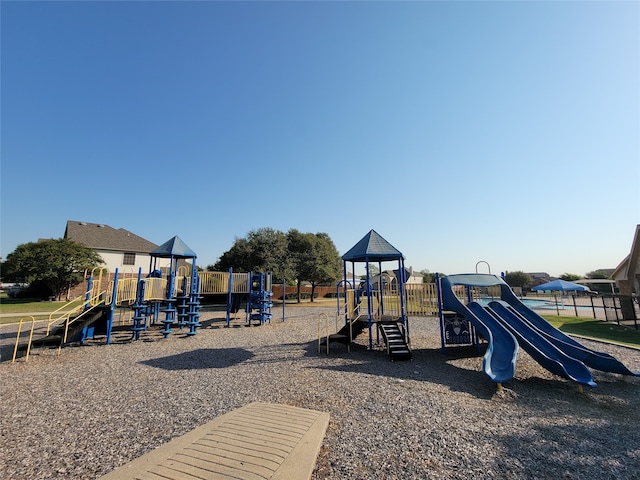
[129, 300]
[366, 306]
[260, 299]
[469, 307]
[172, 299]
[483, 305]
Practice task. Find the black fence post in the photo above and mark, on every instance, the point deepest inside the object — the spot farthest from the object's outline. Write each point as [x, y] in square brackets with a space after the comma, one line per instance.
[626, 305]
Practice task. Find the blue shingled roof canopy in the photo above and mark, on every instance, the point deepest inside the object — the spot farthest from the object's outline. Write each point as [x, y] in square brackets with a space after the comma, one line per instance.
[173, 248]
[373, 248]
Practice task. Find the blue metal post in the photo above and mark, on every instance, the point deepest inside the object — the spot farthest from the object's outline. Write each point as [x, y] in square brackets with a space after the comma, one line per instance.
[381, 289]
[229, 294]
[249, 305]
[169, 310]
[114, 295]
[403, 316]
[440, 311]
[369, 309]
[284, 294]
[88, 295]
[344, 288]
[139, 317]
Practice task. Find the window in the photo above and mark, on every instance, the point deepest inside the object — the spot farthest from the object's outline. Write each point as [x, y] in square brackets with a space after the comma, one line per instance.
[129, 258]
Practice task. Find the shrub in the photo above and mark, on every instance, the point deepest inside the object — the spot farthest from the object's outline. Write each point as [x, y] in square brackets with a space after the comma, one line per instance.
[303, 296]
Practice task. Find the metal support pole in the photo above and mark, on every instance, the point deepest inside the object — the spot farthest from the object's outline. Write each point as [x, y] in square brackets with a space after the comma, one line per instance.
[114, 298]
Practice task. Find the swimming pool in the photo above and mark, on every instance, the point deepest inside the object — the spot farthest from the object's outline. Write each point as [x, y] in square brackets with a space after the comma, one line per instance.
[532, 303]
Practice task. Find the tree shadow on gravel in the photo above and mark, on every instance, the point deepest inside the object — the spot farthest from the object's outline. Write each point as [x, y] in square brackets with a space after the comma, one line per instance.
[201, 359]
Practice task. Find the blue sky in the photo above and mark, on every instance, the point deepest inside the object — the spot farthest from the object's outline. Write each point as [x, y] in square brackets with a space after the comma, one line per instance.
[505, 132]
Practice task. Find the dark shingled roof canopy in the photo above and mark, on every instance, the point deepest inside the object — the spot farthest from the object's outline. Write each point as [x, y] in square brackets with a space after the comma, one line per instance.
[372, 247]
[174, 248]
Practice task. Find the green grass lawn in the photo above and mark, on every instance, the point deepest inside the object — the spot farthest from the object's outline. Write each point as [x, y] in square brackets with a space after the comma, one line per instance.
[13, 309]
[596, 329]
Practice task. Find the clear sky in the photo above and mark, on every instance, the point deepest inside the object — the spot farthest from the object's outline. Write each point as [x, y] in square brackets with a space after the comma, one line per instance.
[505, 132]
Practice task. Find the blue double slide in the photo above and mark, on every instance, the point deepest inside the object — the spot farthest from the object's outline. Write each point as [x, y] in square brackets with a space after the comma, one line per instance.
[507, 323]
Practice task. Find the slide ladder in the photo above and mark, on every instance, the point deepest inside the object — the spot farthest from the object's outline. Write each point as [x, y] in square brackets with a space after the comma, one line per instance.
[394, 339]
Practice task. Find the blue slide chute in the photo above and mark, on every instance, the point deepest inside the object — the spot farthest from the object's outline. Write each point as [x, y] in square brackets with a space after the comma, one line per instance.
[592, 358]
[541, 349]
[554, 350]
[499, 361]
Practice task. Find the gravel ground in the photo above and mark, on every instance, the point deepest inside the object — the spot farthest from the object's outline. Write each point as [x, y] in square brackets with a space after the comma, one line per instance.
[93, 408]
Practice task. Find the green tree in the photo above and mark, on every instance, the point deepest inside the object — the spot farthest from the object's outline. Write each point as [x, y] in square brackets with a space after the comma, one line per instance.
[262, 250]
[599, 275]
[299, 246]
[314, 258]
[374, 270]
[427, 276]
[322, 264]
[570, 277]
[517, 279]
[292, 256]
[58, 263]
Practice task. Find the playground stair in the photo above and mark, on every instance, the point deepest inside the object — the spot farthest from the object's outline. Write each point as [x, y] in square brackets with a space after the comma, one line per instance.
[397, 347]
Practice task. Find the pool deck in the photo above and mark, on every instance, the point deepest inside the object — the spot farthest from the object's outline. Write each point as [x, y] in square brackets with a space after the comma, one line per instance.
[257, 441]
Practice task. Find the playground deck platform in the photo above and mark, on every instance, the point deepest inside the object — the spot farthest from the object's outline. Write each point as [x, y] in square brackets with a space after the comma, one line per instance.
[257, 441]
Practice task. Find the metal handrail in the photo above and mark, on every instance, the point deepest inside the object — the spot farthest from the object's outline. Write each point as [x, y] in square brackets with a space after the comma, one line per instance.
[69, 321]
[91, 303]
[15, 348]
[64, 307]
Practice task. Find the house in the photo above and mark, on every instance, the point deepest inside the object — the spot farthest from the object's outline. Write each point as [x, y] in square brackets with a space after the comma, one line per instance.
[538, 278]
[389, 278]
[627, 273]
[119, 248]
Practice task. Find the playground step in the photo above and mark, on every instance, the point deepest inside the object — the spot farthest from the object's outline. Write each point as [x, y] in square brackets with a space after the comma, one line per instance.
[394, 339]
[259, 440]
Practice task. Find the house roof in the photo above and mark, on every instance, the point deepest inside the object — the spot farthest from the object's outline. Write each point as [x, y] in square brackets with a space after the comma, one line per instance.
[173, 248]
[103, 237]
[372, 247]
[627, 267]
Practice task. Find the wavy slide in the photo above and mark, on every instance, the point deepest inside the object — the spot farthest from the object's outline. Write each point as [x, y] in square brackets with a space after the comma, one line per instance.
[540, 348]
[499, 362]
[514, 310]
[504, 321]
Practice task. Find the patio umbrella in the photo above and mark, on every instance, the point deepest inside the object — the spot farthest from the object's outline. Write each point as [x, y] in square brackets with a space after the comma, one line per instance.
[561, 285]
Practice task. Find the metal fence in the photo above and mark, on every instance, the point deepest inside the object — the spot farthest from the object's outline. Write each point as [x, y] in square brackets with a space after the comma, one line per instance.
[606, 307]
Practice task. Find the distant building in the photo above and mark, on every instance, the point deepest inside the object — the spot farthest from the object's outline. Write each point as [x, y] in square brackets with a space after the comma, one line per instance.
[119, 248]
[538, 278]
[389, 279]
[627, 273]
